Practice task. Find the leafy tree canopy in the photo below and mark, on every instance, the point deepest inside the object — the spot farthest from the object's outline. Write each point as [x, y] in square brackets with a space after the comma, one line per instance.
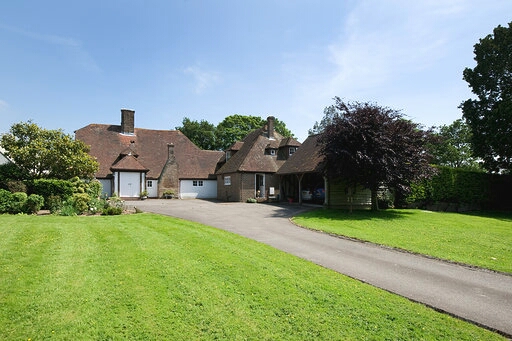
[202, 133]
[47, 153]
[490, 115]
[451, 147]
[330, 113]
[233, 128]
[374, 146]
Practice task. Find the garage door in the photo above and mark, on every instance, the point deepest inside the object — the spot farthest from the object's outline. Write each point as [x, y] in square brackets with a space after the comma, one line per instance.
[198, 189]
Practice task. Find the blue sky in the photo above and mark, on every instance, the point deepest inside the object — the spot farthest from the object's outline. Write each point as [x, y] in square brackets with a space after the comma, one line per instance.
[65, 64]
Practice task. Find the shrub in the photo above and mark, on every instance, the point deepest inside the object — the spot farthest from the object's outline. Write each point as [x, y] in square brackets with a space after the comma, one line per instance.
[113, 206]
[54, 203]
[33, 204]
[110, 210]
[5, 201]
[96, 205]
[9, 171]
[16, 186]
[252, 200]
[68, 208]
[51, 187]
[81, 202]
[18, 202]
[94, 189]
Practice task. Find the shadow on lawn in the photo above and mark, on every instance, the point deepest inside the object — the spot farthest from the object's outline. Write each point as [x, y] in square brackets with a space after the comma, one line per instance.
[334, 214]
[500, 215]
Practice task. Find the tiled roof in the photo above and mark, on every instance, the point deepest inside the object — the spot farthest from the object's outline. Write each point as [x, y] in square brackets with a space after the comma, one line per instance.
[128, 163]
[236, 146]
[289, 142]
[306, 159]
[107, 144]
[252, 157]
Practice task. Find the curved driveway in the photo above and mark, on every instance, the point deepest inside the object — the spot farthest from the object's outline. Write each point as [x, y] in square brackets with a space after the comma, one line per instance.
[480, 296]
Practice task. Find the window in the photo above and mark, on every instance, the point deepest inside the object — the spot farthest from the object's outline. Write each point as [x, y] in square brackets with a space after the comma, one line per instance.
[227, 181]
[197, 183]
[272, 152]
[149, 184]
[228, 155]
[292, 150]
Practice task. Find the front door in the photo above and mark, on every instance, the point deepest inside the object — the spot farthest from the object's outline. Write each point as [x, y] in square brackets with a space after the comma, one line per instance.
[260, 185]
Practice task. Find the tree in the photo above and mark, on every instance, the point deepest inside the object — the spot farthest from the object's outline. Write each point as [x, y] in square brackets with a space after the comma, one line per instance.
[233, 128]
[47, 153]
[490, 115]
[329, 114]
[452, 146]
[374, 146]
[202, 133]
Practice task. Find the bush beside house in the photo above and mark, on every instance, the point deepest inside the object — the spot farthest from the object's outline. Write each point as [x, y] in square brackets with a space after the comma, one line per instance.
[64, 197]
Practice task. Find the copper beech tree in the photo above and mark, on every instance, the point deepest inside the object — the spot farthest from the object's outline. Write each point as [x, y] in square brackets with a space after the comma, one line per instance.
[374, 146]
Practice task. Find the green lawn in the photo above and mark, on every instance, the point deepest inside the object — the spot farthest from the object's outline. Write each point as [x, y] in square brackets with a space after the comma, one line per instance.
[150, 277]
[481, 239]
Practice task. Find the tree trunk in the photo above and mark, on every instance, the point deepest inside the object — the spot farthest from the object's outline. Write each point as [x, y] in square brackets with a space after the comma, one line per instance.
[375, 201]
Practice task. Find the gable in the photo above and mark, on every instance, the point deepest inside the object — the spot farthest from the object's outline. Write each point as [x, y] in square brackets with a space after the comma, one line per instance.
[307, 158]
[252, 155]
[128, 163]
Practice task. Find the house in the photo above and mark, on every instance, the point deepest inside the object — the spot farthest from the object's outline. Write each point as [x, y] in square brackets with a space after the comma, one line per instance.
[132, 160]
[264, 165]
[250, 166]
[302, 179]
[3, 159]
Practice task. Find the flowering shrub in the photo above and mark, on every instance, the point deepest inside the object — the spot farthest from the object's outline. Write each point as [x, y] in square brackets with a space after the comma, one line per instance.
[114, 206]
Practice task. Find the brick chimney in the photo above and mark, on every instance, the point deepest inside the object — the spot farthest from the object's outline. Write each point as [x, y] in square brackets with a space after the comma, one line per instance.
[127, 122]
[169, 179]
[270, 127]
[170, 149]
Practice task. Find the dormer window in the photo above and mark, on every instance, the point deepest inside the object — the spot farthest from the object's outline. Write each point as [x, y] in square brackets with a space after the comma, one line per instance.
[272, 152]
[228, 155]
[292, 150]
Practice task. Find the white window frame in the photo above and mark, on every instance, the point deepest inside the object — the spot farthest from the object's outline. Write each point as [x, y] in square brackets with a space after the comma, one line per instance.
[197, 183]
[227, 180]
[149, 184]
[292, 150]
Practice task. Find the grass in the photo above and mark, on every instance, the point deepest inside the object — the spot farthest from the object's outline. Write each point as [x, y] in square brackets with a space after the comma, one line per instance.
[483, 240]
[149, 277]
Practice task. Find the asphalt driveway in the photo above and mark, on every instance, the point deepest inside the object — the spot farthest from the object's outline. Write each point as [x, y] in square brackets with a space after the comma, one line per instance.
[480, 296]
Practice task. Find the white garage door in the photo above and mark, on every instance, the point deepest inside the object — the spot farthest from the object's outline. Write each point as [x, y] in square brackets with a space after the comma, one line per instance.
[200, 189]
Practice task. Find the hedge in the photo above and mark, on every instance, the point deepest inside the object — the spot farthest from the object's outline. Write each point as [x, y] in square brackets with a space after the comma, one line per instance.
[462, 187]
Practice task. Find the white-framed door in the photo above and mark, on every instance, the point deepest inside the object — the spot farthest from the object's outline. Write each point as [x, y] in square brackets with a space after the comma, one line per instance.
[130, 184]
[259, 180]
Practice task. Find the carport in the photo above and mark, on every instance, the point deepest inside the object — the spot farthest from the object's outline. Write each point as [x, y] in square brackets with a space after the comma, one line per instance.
[301, 177]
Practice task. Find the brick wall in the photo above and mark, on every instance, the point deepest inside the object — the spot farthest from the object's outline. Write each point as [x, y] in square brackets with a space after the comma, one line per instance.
[243, 186]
